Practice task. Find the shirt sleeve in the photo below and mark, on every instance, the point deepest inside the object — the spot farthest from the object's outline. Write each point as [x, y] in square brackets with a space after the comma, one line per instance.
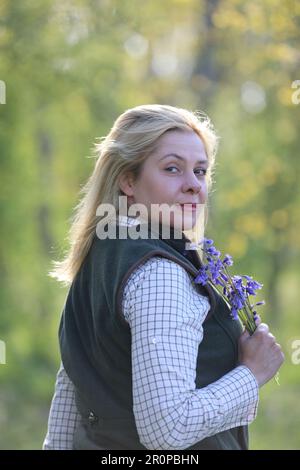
[63, 415]
[166, 313]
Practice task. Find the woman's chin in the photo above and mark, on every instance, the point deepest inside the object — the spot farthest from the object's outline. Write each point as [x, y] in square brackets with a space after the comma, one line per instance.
[185, 222]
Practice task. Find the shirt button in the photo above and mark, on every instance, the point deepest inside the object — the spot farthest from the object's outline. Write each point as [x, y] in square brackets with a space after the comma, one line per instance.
[154, 340]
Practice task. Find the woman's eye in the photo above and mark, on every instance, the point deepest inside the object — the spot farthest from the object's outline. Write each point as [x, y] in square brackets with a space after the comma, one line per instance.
[203, 170]
[170, 168]
[199, 171]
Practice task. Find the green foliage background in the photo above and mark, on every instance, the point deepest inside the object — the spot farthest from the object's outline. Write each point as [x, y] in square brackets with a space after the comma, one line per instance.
[70, 69]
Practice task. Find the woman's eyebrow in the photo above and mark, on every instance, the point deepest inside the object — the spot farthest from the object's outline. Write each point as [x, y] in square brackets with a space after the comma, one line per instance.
[181, 158]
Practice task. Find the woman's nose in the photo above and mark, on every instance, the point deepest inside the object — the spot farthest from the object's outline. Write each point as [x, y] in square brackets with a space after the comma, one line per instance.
[192, 183]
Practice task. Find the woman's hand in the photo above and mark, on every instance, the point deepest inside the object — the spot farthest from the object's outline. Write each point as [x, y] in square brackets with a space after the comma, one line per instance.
[260, 353]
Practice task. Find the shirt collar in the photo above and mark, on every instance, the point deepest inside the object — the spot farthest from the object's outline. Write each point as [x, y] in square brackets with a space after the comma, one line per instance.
[170, 236]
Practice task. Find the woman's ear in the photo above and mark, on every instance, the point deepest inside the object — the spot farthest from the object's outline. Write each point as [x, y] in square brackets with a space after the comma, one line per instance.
[126, 184]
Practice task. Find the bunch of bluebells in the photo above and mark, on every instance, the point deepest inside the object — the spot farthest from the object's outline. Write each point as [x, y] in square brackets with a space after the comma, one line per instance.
[235, 290]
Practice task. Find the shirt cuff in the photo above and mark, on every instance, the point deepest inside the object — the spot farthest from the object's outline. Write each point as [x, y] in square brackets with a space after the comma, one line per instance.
[238, 393]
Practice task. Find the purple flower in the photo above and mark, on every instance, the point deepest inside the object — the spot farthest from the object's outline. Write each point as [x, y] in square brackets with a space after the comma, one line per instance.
[235, 289]
[202, 277]
[228, 260]
[208, 242]
[237, 281]
[212, 251]
[252, 286]
[224, 277]
[237, 298]
[215, 268]
[234, 313]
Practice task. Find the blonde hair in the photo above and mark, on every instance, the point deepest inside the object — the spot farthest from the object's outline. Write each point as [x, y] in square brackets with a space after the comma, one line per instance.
[130, 141]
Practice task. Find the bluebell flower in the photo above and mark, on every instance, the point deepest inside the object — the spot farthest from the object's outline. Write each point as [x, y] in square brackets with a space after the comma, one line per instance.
[233, 289]
[202, 277]
[228, 260]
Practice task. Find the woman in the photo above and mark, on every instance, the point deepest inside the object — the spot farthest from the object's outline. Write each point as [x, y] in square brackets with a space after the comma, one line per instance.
[151, 360]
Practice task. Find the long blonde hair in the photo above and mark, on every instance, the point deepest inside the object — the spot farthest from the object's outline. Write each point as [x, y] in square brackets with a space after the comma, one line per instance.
[130, 141]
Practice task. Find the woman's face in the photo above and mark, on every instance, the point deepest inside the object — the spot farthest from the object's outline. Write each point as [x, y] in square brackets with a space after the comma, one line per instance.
[175, 174]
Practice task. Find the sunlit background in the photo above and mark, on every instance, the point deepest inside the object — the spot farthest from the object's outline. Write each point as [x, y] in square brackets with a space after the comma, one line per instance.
[68, 69]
